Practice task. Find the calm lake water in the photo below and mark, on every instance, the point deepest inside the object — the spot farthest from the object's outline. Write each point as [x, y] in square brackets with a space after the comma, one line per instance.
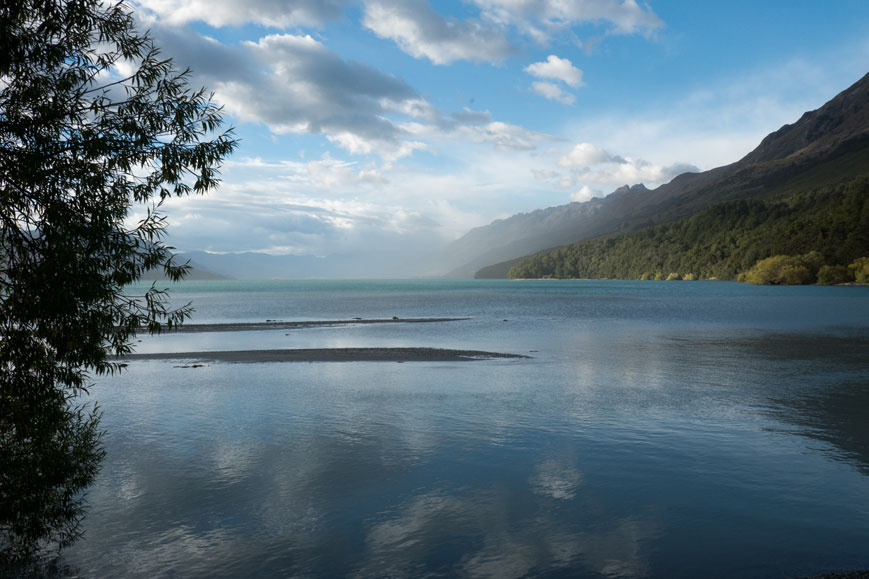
[660, 429]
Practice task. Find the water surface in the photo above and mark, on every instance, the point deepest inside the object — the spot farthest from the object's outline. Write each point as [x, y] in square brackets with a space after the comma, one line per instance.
[660, 429]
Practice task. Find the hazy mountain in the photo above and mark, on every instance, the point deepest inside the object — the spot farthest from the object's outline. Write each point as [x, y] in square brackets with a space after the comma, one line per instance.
[520, 235]
[252, 265]
[197, 271]
[826, 146]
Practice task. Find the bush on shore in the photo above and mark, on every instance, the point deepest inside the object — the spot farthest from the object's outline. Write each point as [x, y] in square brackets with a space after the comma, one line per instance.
[833, 274]
[804, 269]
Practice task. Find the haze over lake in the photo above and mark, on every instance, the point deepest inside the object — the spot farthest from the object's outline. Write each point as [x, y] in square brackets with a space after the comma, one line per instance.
[658, 429]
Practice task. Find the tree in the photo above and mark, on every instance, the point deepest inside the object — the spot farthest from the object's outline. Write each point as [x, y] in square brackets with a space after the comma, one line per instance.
[784, 270]
[81, 146]
[860, 269]
[834, 274]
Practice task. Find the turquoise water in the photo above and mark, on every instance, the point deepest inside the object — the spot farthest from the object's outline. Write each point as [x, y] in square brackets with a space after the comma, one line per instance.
[660, 429]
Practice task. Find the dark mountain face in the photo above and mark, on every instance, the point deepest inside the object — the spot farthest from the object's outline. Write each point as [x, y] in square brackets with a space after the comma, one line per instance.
[844, 118]
[827, 146]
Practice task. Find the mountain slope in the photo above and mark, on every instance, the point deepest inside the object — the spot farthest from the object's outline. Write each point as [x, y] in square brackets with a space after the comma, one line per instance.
[520, 235]
[723, 241]
[827, 146]
[253, 265]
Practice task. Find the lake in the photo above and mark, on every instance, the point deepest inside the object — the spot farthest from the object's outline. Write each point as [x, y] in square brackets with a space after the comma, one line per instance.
[657, 429]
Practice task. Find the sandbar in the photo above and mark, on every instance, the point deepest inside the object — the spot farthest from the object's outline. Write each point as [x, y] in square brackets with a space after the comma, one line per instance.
[329, 355]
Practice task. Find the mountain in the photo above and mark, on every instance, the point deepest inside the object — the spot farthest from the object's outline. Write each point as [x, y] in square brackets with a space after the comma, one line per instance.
[827, 146]
[522, 234]
[253, 265]
[197, 271]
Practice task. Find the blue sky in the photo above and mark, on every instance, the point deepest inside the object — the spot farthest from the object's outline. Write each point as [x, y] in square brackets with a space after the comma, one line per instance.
[384, 128]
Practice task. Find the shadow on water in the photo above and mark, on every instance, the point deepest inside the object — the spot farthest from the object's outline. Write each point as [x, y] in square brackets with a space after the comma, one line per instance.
[816, 386]
[834, 405]
[837, 416]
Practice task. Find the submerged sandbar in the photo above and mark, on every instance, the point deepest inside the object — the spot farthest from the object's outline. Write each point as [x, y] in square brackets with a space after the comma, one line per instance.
[330, 355]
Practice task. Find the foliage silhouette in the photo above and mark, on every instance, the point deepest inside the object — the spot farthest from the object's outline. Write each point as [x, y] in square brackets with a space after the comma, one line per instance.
[81, 146]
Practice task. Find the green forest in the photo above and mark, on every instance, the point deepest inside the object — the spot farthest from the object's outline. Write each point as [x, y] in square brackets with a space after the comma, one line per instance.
[822, 230]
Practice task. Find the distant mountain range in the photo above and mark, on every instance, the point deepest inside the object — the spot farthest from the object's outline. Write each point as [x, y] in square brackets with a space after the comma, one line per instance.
[254, 265]
[827, 146]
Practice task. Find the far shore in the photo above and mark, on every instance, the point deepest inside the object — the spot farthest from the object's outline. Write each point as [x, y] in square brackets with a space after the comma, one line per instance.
[847, 283]
[289, 325]
[327, 355]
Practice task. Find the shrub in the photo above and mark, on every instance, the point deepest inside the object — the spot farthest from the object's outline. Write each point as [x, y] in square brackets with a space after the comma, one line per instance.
[860, 269]
[795, 275]
[784, 270]
[833, 274]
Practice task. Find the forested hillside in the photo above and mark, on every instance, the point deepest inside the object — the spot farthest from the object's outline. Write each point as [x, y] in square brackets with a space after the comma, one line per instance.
[723, 240]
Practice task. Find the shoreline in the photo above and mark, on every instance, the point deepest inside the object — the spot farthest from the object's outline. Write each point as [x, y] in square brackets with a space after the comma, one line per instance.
[328, 355]
[289, 325]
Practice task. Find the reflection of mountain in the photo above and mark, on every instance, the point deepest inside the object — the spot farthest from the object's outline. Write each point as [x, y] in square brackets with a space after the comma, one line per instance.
[825, 147]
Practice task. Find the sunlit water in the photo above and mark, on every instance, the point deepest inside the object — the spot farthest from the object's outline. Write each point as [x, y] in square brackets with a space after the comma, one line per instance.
[660, 429]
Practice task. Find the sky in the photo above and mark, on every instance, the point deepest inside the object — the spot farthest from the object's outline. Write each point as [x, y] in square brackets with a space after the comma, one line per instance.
[386, 128]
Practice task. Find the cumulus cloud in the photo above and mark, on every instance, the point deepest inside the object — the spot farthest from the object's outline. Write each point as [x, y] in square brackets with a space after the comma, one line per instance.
[630, 171]
[217, 13]
[584, 194]
[552, 92]
[295, 84]
[589, 163]
[556, 69]
[423, 33]
[587, 154]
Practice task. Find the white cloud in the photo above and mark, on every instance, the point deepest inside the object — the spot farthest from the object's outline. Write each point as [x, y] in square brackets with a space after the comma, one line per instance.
[276, 13]
[587, 154]
[584, 194]
[556, 69]
[589, 163]
[423, 33]
[295, 84]
[629, 172]
[552, 92]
